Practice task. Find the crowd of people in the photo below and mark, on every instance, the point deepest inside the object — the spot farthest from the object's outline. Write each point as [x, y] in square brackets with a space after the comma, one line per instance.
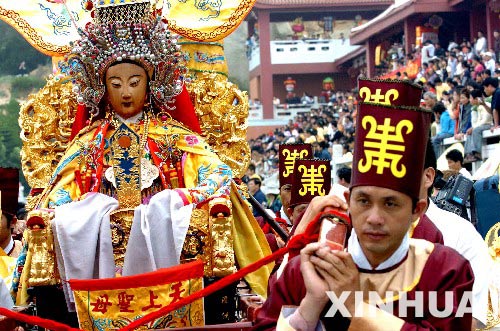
[461, 84]
[328, 127]
[459, 111]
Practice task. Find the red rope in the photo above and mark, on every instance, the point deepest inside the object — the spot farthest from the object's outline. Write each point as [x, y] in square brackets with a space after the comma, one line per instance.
[35, 320]
[295, 244]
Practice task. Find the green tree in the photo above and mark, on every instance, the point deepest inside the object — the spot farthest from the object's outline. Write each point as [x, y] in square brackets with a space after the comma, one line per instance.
[10, 142]
[14, 49]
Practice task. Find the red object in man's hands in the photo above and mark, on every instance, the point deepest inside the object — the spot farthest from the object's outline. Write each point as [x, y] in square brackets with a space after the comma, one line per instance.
[334, 233]
[334, 228]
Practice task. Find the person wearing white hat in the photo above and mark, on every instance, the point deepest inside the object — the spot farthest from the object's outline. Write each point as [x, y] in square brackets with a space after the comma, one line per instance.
[489, 62]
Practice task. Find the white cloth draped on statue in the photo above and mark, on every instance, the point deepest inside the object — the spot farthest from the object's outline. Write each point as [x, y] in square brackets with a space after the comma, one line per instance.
[82, 237]
[5, 298]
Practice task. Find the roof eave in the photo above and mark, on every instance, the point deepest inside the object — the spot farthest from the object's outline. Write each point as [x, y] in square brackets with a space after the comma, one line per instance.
[396, 16]
[320, 4]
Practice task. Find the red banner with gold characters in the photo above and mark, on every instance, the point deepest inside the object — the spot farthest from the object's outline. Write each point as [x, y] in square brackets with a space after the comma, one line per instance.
[390, 147]
[311, 178]
[390, 92]
[288, 153]
[112, 303]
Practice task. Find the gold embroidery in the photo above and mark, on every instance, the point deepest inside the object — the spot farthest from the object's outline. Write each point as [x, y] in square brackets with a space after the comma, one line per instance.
[290, 157]
[211, 30]
[210, 238]
[222, 110]
[120, 222]
[126, 166]
[31, 34]
[383, 148]
[378, 97]
[198, 243]
[312, 179]
[45, 121]
[41, 258]
[223, 253]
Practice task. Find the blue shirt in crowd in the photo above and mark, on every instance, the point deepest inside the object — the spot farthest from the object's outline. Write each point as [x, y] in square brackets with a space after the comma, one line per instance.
[447, 124]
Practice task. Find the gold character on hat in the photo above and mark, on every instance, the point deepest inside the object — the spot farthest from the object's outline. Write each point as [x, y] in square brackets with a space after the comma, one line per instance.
[290, 157]
[313, 179]
[380, 146]
[378, 97]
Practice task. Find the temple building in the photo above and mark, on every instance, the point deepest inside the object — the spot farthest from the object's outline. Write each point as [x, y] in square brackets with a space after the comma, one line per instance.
[411, 22]
[295, 46]
[304, 41]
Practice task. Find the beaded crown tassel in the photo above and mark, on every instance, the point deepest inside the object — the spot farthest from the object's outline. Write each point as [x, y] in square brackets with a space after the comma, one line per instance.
[125, 30]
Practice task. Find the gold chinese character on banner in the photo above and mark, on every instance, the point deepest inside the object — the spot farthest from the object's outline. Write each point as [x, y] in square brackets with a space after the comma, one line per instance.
[312, 179]
[381, 146]
[290, 157]
[377, 97]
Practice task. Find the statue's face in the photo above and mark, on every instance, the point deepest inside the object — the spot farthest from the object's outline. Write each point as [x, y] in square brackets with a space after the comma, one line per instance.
[126, 86]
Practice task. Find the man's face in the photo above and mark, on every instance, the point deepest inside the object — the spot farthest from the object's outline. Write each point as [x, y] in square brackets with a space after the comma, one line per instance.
[256, 155]
[296, 211]
[381, 218]
[4, 230]
[252, 187]
[489, 90]
[463, 99]
[285, 195]
[429, 102]
[454, 165]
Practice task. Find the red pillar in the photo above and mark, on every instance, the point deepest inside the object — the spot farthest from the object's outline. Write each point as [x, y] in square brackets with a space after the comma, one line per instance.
[370, 58]
[492, 24]
[477, 17]
[410, 33]
[266, 78]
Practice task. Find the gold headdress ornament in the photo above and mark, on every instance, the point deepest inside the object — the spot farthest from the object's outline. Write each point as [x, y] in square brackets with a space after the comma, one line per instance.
[125, 30]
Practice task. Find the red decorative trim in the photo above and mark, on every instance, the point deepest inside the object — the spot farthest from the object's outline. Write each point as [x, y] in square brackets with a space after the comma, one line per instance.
[80, 121]
[294, 245]
[159, 163]
[36, 191]
[103, 129]
[183, 197]
[184, 111]
[35, 320]
[167, 275]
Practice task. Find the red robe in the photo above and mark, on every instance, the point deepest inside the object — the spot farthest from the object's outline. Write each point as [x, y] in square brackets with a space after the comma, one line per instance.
[425, 229]
[269, 232]
[443, 270]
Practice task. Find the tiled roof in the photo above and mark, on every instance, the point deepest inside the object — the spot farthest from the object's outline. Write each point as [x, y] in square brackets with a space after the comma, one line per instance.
[333, 3]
